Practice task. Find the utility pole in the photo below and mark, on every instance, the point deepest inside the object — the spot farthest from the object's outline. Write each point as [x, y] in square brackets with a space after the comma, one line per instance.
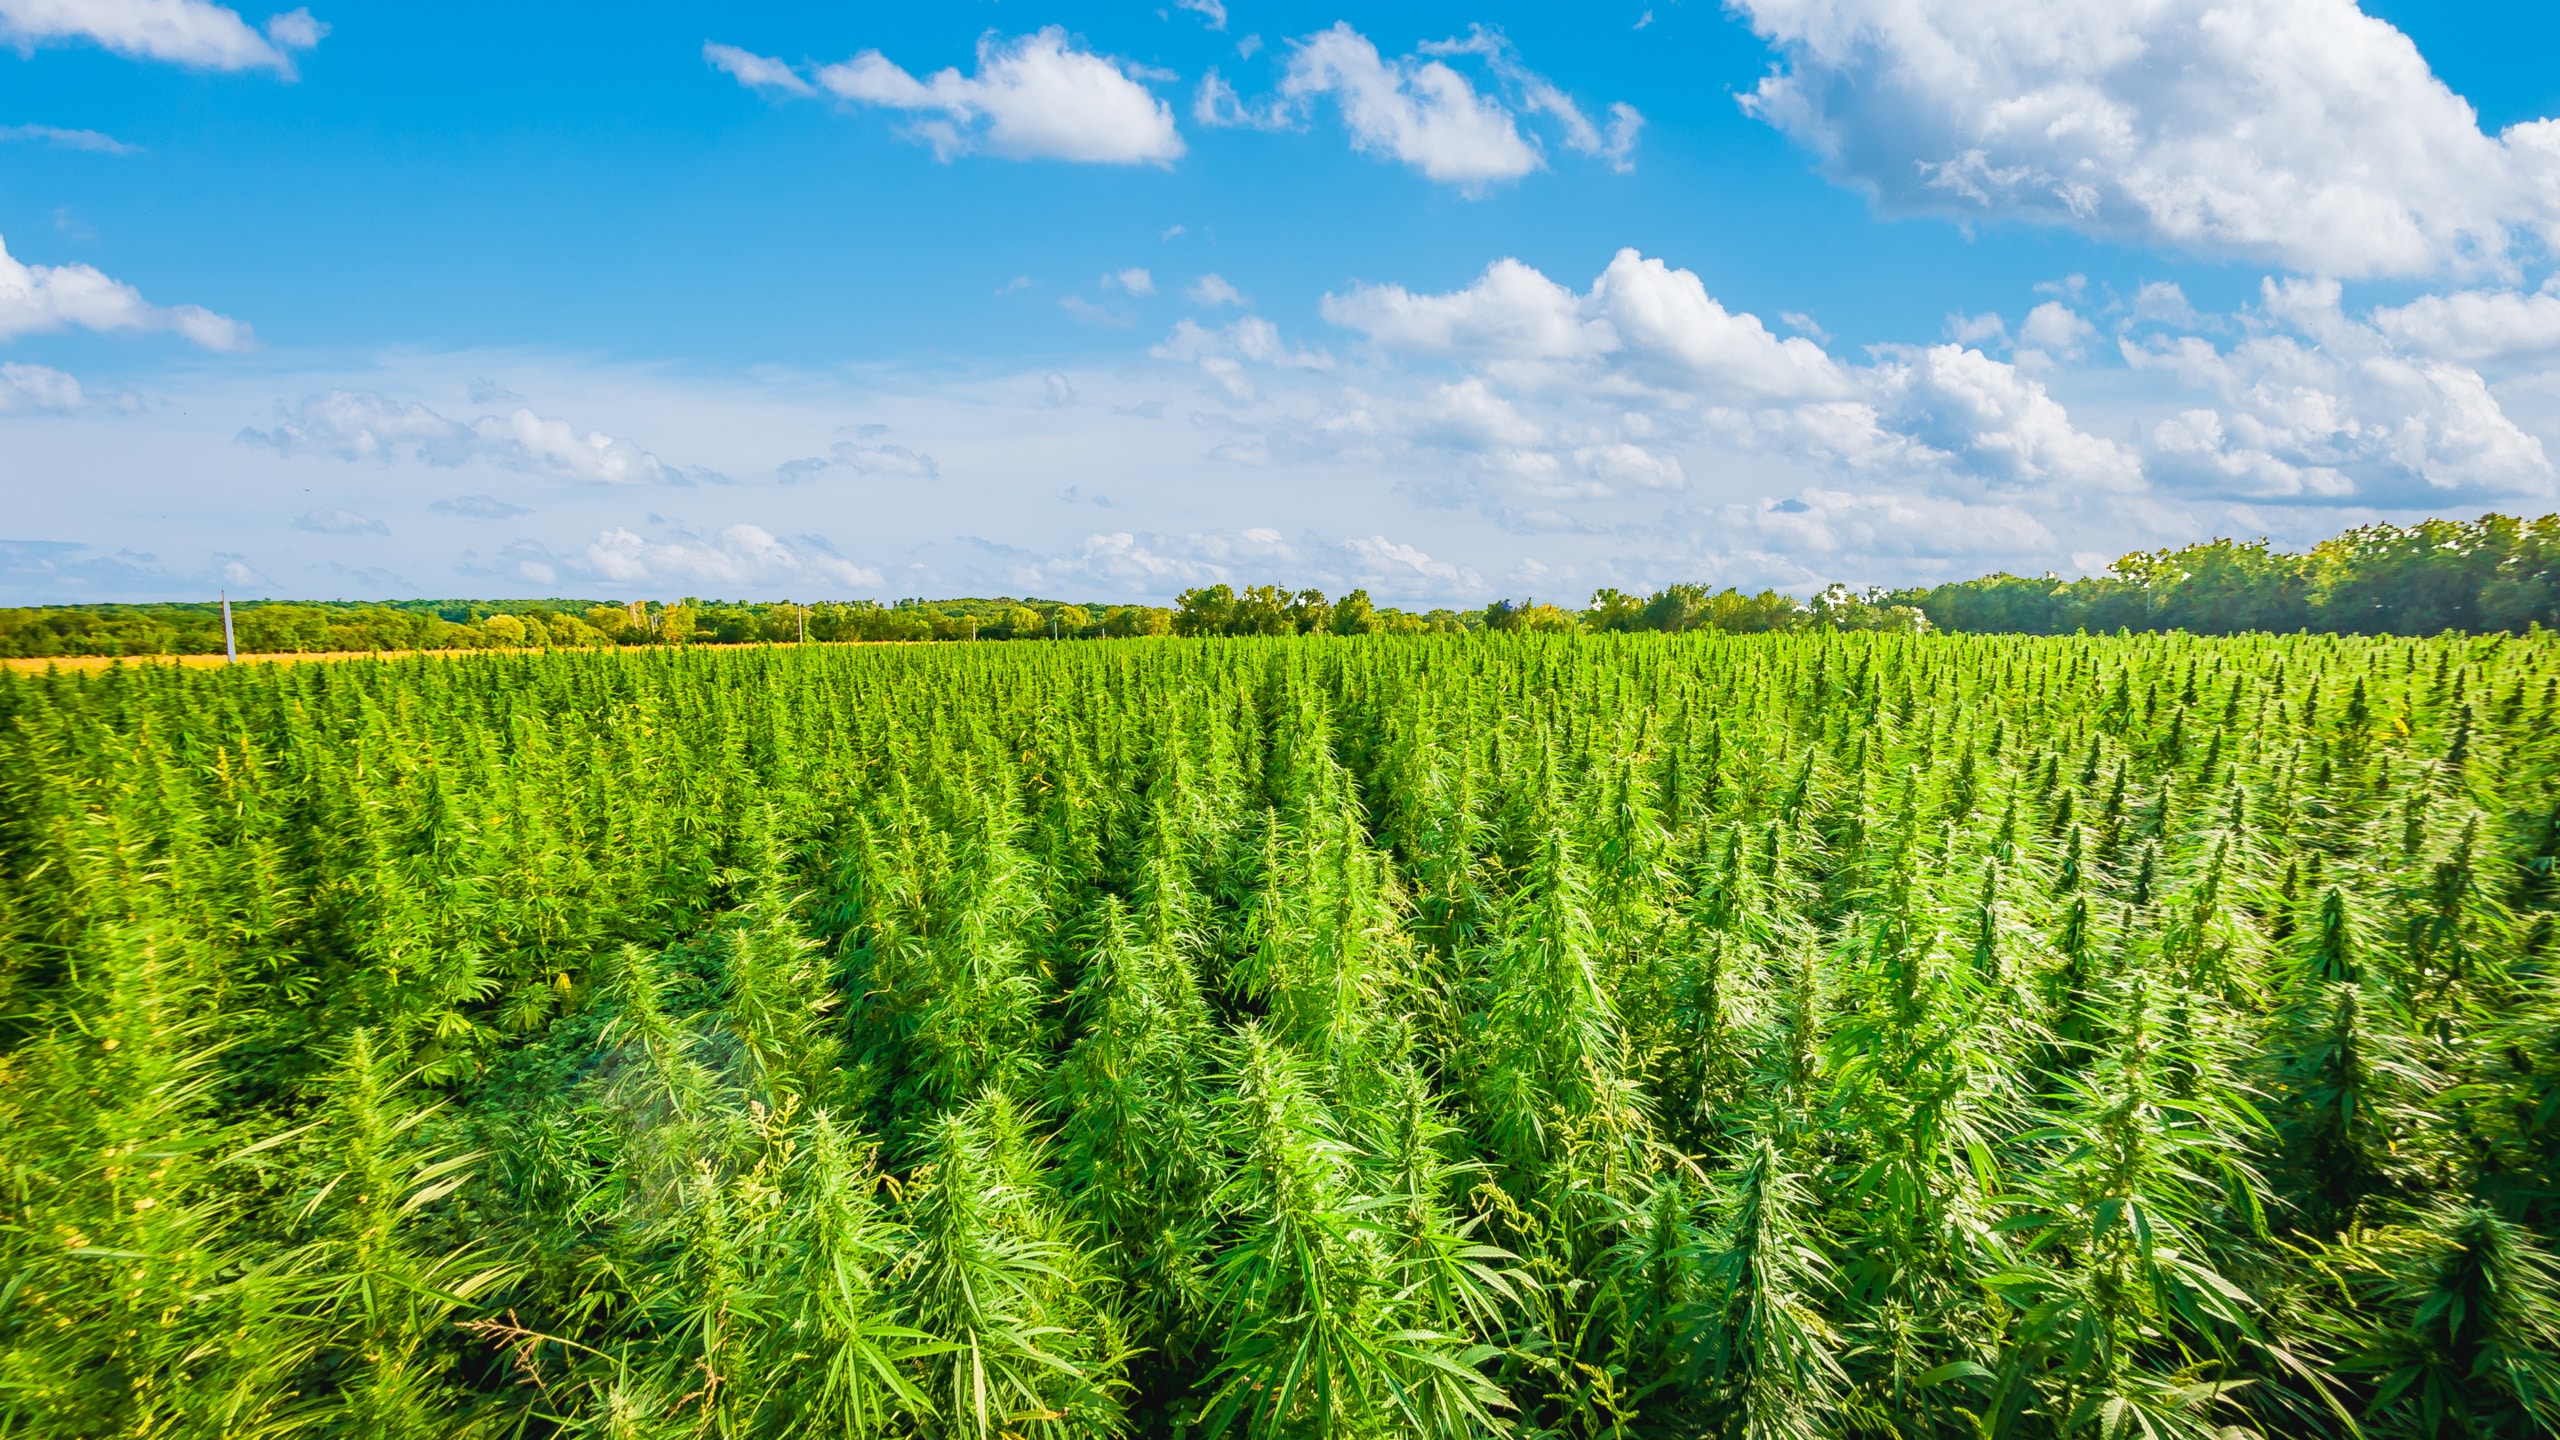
[804, 623]
[230, 650]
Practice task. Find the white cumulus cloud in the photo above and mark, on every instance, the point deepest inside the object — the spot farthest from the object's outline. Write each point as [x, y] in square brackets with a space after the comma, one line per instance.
[37, 298]
[38, 389]
[2057, 331]
[2478, 325]
[1420, 112]
[1640, 311]
[2003, 425]
[193, 33]
[2303, 132]
[1470, 416]
[1222, 352]
[1511, 311]
[1621, 463]
[1666, 318]
[2163, 302]
[2194, 448]
[1574, 396]
[1036, 97]
[2319, 404]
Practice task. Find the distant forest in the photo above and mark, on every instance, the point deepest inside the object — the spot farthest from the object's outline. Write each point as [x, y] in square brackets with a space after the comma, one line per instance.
[2494, 574]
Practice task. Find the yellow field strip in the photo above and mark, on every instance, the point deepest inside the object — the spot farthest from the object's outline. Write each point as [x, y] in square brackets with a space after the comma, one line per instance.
[101, 662]
[40, 663]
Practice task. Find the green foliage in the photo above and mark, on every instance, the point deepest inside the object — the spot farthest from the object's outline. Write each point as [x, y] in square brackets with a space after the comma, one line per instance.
[1677, 609]
[2495, 573]
[1331, 1030]
[270, 627]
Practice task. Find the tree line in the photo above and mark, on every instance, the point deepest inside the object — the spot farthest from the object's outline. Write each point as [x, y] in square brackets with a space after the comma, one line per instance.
[2495, 574]
[323, 627]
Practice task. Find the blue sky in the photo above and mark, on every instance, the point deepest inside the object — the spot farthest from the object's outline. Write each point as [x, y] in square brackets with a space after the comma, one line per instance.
[1448, 301]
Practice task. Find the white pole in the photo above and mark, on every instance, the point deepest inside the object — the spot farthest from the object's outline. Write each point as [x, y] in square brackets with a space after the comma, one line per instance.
[230, 650]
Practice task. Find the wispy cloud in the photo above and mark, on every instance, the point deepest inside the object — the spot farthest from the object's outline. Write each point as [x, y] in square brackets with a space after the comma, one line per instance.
[363, 425]
[756, 72]
[93, 141]
[328, 521]
[478, 507]
[1212, 290]
[858, 458]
